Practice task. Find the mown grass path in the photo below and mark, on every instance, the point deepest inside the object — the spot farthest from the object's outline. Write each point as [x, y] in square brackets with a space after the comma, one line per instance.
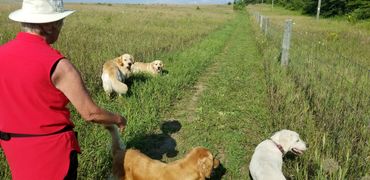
[227, 108]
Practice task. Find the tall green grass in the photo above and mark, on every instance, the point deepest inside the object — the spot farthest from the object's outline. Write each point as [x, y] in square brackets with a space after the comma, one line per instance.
[323, 93]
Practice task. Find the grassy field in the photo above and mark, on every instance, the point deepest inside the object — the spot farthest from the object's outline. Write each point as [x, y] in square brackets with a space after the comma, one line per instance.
[224, 88]
[96, 33]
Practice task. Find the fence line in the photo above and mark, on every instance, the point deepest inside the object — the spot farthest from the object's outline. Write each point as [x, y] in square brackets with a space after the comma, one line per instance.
[268, 30]
[284, 37]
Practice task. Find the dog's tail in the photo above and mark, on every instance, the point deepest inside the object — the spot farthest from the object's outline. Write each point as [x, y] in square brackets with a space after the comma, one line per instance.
[118, 151]
[117, 144]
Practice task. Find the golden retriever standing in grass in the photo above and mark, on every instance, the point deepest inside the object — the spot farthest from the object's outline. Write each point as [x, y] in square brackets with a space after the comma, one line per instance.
[196, 165]
[153, 68]
[115, 72]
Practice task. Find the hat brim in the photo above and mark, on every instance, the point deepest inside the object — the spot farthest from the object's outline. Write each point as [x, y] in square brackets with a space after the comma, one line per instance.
[21, 16]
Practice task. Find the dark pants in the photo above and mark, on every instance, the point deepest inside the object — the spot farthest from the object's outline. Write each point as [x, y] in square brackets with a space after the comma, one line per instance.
[73, 164]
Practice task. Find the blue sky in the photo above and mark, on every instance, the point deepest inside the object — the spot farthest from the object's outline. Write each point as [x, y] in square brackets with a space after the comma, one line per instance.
[155, 1]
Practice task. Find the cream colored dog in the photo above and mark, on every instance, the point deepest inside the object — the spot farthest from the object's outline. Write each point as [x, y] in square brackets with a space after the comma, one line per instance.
[267, 160]
[153, 68]
[115, 72]
[131, 164]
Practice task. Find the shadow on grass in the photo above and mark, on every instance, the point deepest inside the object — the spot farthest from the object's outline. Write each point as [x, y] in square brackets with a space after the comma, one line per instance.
[289, 157]
[166, 72]
[157, 145]
[218, 173]
[136, 78]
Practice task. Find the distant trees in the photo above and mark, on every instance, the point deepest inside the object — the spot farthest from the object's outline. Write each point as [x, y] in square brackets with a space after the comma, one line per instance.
[358, 9]
[239, 4]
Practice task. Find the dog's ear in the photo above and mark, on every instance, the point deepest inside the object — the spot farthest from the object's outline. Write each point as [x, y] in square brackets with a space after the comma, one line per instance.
[205, 165]
[120, 60]
[216, 163]
[284, 138]
[152, 66]
[132, 59]
[276, 137]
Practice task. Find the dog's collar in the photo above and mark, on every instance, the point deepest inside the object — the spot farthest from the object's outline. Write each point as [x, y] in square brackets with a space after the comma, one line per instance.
[278, 146]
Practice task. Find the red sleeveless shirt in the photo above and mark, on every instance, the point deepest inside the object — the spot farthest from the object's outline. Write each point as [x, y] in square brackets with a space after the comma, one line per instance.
[30, 103]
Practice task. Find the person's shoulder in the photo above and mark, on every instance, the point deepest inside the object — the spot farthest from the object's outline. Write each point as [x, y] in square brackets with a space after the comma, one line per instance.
[66, 65]
[53, 50]
[50, 52]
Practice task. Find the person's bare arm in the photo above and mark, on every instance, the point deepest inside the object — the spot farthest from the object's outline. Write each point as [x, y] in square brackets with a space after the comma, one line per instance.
[67, 79]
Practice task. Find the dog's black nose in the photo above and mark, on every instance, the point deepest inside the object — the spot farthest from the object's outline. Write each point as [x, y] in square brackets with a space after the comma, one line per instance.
[129, 64]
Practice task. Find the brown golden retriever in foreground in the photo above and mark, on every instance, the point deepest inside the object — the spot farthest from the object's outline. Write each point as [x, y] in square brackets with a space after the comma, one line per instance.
[196, 165]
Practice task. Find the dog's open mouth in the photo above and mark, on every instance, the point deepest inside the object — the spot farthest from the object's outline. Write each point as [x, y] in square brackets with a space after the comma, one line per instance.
[297, 151]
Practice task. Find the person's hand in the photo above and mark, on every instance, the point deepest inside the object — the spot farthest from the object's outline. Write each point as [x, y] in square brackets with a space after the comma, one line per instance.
[121, 122]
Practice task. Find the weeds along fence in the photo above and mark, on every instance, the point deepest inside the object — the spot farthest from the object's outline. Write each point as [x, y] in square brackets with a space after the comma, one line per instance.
[319, 85]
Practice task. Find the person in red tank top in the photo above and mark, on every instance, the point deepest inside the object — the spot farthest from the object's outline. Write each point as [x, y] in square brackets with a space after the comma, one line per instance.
[36, 84]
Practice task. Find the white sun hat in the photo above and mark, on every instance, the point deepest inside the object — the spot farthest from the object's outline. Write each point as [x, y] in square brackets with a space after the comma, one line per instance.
[40, 11]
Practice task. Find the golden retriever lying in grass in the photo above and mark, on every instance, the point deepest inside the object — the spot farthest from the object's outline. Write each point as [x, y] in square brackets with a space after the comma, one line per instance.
[196, 165]
[115, 72]
[153, 68]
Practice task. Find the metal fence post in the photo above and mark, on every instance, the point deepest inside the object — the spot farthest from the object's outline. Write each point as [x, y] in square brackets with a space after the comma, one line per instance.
[318, 10]
[286, 42]
[265, 25]
[261, 21]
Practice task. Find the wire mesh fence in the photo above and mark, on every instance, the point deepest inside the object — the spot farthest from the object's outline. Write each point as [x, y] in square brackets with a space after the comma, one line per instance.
[332, 71]
[314, 48]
